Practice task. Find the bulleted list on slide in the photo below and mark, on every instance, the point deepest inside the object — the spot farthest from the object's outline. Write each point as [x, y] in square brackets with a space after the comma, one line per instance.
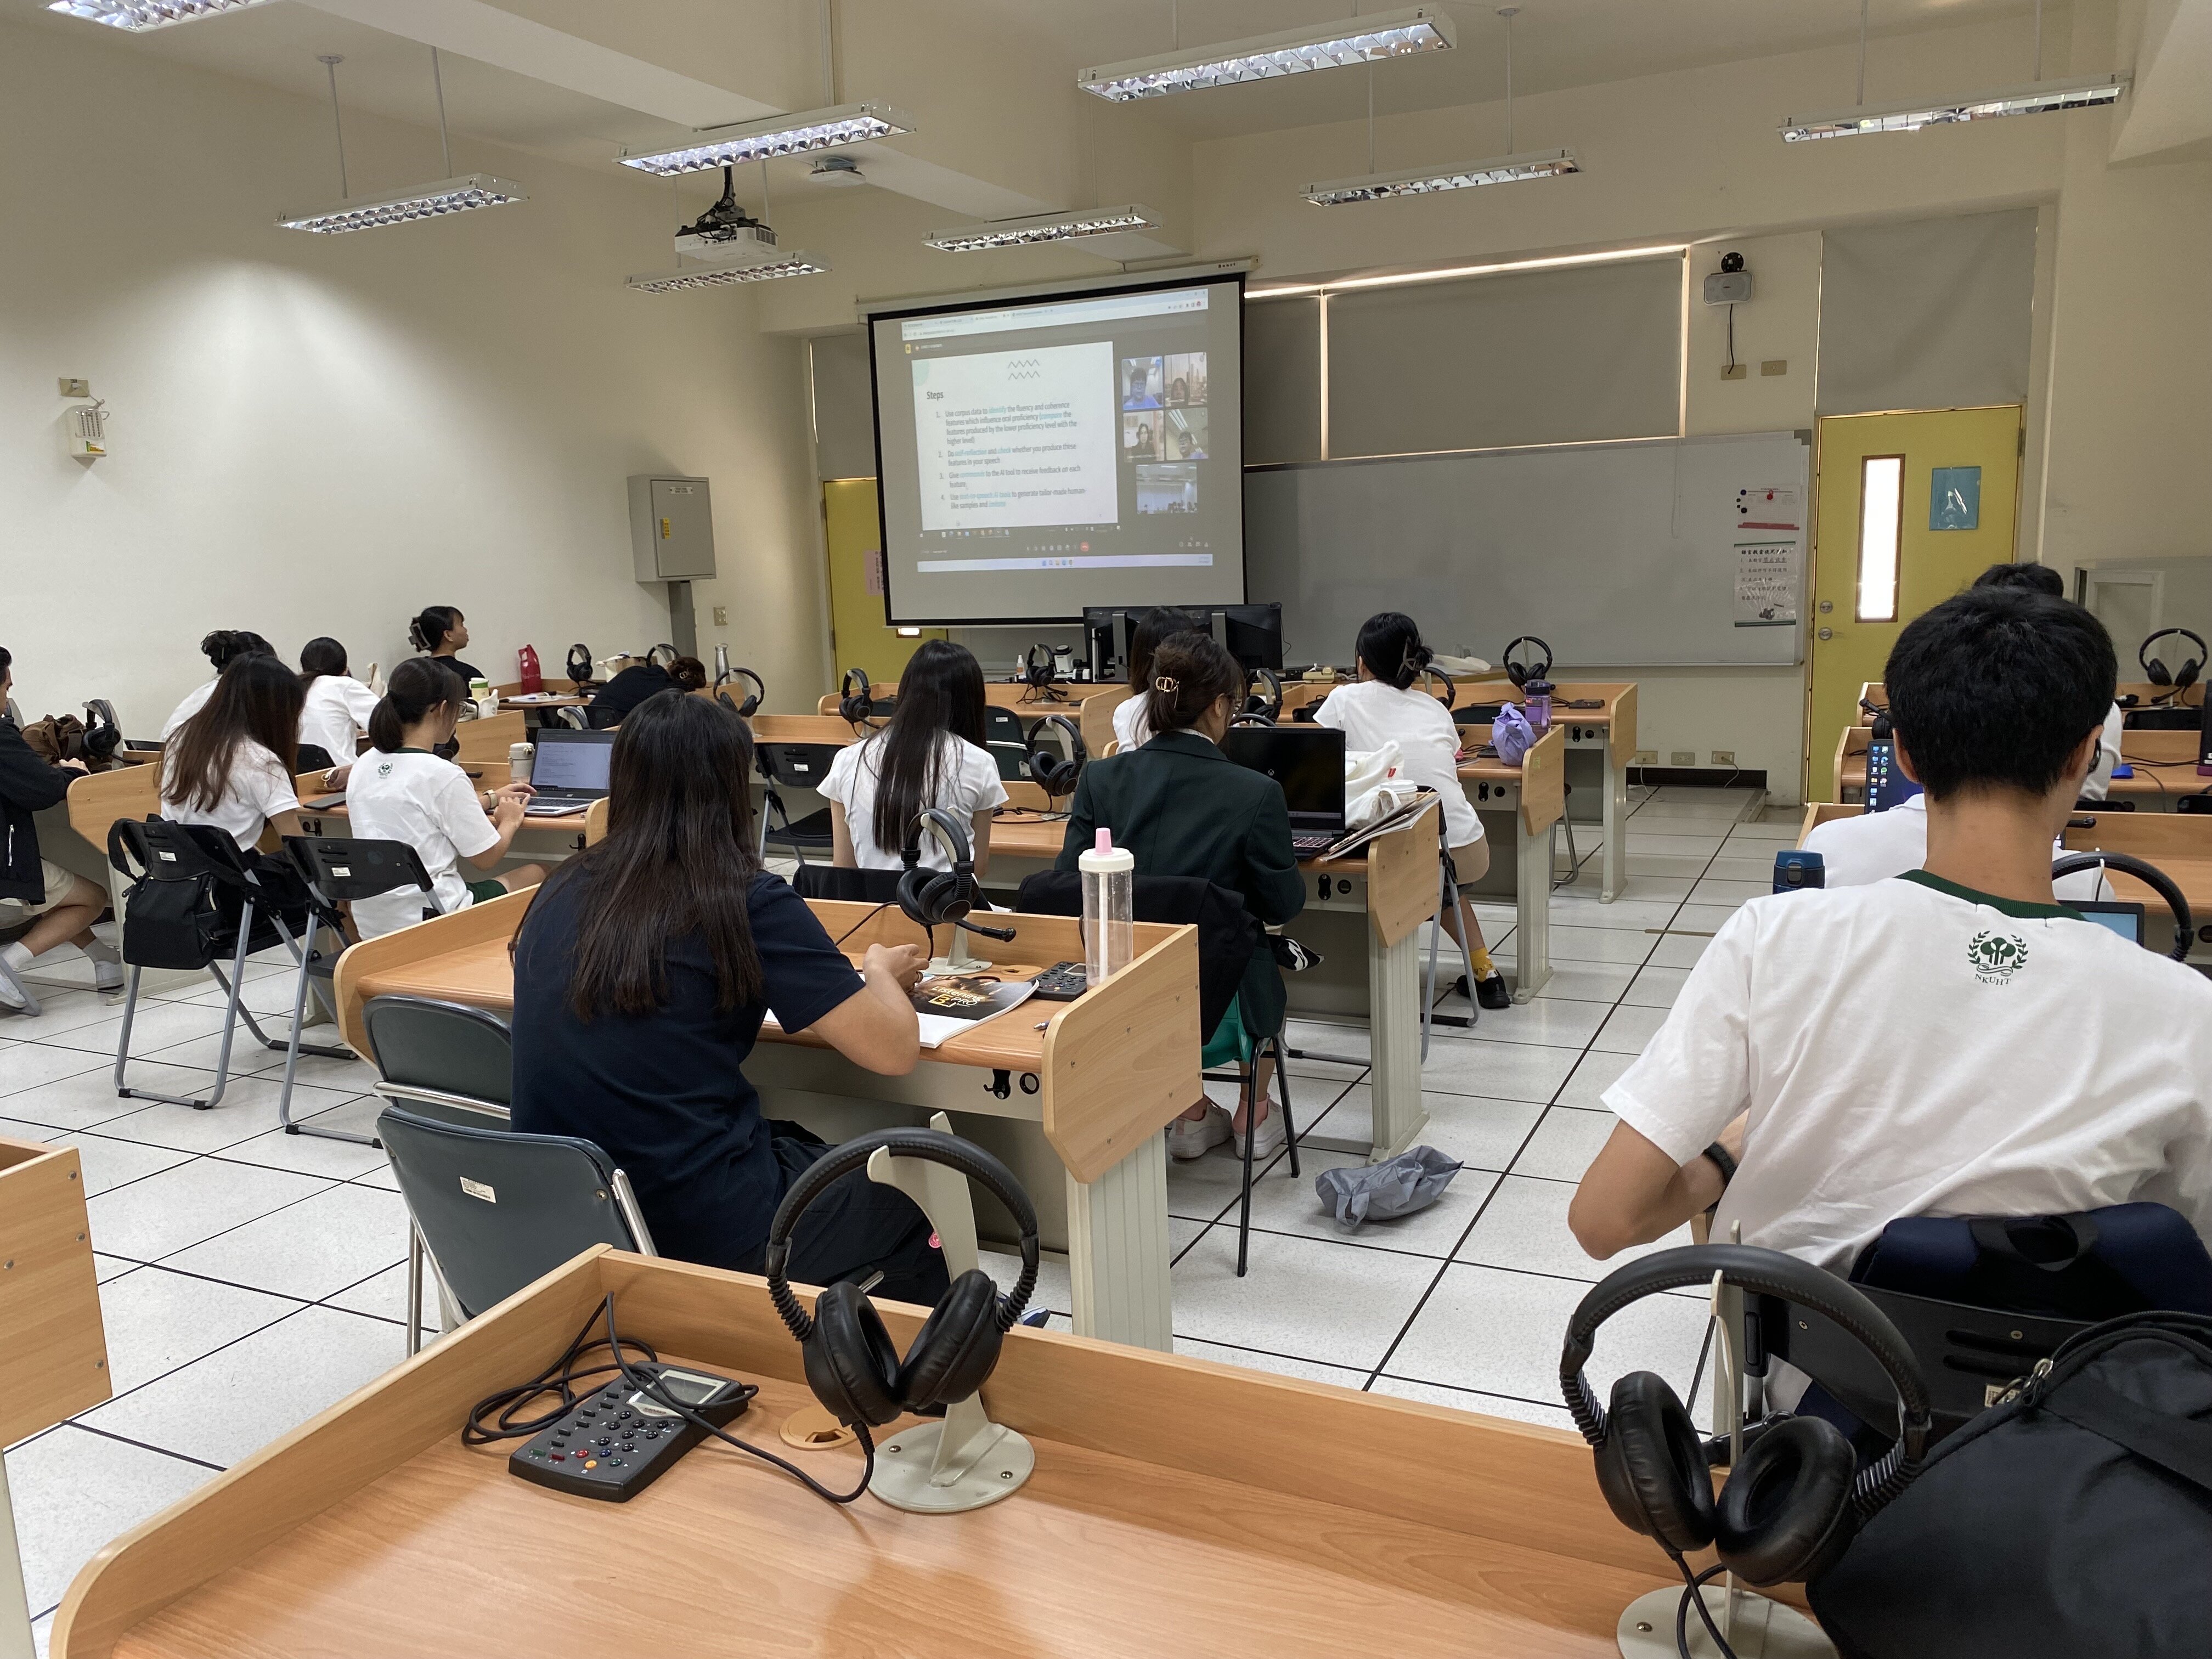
[1018, 439]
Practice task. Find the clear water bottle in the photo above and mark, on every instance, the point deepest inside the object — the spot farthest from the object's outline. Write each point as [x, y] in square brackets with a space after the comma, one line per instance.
[1109, 888]
[1537, 696]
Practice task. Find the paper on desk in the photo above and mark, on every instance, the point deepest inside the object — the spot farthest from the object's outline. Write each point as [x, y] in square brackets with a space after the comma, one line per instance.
[946, 1006]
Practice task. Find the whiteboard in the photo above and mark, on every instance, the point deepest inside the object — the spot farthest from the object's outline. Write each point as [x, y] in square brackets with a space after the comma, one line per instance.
[1619, 554]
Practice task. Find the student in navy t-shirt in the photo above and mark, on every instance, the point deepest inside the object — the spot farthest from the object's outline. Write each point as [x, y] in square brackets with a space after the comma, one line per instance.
[641, 975]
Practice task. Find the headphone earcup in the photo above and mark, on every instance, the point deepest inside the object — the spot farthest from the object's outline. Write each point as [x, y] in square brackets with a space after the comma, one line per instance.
[946, 897]
[2160, 673]
[1786, 1513]
[914, 893]
[956, 1347]
[2187, 676]
[1651, 1465]
[851, 1364]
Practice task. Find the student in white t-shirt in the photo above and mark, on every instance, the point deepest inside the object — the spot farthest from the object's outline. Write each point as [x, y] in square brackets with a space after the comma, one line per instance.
[1383, 707]
[230, 764]
[2044, 579]
[1875, 845]
[222, 647]
[930, 754]
[339, 706]
[1132, 729]
[1946, 1042]
[400, 791]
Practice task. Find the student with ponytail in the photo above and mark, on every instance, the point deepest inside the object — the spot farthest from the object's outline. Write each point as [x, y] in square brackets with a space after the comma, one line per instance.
[339, 706]
[222, 647]
[1383, 707]
[932, 754]
[1183, 808]
[400, 791]
[441, 633]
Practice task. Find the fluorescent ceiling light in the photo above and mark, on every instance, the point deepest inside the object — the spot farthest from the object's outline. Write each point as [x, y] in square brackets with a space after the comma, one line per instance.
[1286, 290]
[1042, 228]
[777, 134]
[1266, 57]
[137, 15]
[2084, 92]
[472, 190]
[762, 270]
[1501, 170]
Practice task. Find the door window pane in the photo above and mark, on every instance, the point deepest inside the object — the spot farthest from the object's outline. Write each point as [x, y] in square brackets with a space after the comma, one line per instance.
[1881, 492]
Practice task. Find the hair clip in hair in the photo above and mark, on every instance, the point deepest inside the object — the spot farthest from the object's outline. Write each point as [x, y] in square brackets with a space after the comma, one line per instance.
[1163, 683]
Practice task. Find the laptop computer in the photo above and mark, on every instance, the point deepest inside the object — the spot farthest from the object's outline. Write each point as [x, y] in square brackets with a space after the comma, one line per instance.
[571, 771]
[1307, 761]
[2126, 920]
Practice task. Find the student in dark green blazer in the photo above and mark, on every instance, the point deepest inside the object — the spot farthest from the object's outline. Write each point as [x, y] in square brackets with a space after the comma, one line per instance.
[1183, 808]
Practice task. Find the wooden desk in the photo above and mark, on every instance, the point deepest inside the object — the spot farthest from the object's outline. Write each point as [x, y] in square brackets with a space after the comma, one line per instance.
[1064, 696]
[2165, 768]
[1097, 1092]
[1520, 806]
[539, 841]
[1305, 1522]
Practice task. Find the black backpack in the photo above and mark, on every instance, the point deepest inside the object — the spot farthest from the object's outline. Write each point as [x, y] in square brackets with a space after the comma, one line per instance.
[2074, 1519]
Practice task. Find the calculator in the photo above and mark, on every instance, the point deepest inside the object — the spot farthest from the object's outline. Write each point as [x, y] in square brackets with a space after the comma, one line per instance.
[1063, 982]
[615, 1442]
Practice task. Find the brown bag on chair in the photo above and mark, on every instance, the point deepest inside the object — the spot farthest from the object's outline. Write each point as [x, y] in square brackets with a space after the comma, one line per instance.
[56, 738]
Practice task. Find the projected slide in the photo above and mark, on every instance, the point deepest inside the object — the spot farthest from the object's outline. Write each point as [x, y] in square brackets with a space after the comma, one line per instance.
[1017, 439]
[1043, 455]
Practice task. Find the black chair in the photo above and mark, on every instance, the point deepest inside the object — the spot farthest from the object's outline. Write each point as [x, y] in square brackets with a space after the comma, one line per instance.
[443, 1061]
[1007, 740]
[499, 1211]
[827, 881]
[2197, 803]
[794, 766]
[336, 872]
[193, 903]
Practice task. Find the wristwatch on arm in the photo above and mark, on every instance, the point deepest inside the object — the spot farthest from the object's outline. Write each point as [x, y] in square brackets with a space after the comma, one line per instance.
[1722, 1161]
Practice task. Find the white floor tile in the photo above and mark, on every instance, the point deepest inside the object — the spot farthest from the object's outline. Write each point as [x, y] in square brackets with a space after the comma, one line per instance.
[379, 1177]
[1564, 1144]
[1332, 1302]
[1651, 888]
[1679, 951]
[25, 1066]
[155, 1025]
[1675, 839]
[1281, 1365]
[75, 1489]
[1497, 1070]
[247, 1109]
[105, 1267]
[1642, 864]
[88, 1099]
[62, 1012]
[1482, 1133]
[111, 1164]
[318, 1154]
[1283, 1204]
[1570, 943]
[1632, 914]
[166, 1213]
[1743, 867]
[1500, 1332]
[278, 1378]
[1597, 1072]
[1730, 892]
[384, 1296]
[1704, 918]
[1550, 1022]
[1656, 987]
[157, 1320]
[1524, 1227]
[1629, 1029]
[1481, 1404]
[1726, 812]
[1587, 982]
[1202, 1188]
[248, 1057]
[15, 1129]
[311, 1249]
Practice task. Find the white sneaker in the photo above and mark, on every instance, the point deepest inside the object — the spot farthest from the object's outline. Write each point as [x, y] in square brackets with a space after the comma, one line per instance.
[107, 976]
[11, 998]
[1191, 1137]
[1267, 1143]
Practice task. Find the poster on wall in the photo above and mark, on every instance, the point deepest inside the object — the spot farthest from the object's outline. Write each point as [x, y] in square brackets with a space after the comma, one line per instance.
[1769, 527]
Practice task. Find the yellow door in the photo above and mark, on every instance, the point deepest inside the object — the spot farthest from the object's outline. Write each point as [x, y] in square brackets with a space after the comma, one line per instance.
[1892, 537]
[858, 634]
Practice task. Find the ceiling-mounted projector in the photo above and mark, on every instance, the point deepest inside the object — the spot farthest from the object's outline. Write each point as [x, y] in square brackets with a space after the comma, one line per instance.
[724, 229]
[841, 171]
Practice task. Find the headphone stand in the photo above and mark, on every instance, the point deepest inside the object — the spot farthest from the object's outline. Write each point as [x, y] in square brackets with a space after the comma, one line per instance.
[1756, 1627]
[956, 959]
[966, 1461]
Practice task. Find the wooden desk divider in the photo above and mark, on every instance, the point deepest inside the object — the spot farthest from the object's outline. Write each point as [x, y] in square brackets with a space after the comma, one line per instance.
[484, 741]
[595, 821]
[97, 799]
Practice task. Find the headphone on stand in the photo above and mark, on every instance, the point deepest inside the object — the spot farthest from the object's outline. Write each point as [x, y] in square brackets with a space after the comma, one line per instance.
[2180, 679]
[851, 1364]
[746, 709]
[1521, 673]
[855, 705]
[1039, 673]
[941, 899]
[1883, 728]
[661, 655]
[2185, 925]
[1790, 1508]
[103, 731]
[1268, 702]
[580, 664]
[1450, 693]
[1051, 773]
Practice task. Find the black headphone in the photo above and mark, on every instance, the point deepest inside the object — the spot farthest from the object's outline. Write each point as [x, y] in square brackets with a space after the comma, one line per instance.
[855, 705]
[937, 898]
[580, 664]
[2185, 925]
[1048, 771]
[1449, 694]
[1879, 719]
[1036, 667]
[1271, 702]
[2180, 679]
[851, 1364]
[750, 706]
[661, 655]
[1794, 1502]
[103, 731]
[1521, 673]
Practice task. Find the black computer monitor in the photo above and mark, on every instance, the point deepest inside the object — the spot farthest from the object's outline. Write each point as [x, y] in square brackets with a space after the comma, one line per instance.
[1254, 635]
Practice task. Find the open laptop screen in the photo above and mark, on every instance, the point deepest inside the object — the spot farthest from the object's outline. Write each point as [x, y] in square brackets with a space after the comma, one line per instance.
[1307, 761]
[573, 763]
[2126, 920]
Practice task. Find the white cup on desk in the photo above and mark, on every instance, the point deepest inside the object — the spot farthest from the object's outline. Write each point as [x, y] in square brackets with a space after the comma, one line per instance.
[520, 757]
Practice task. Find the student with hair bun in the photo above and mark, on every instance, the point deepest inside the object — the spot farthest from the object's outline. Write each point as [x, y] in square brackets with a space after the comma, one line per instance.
[614, 700]
[222, 647]
[441, 633]
[1384, 708]
[1131, 728]
[1183, 808]
[339, 706]
[400, 791]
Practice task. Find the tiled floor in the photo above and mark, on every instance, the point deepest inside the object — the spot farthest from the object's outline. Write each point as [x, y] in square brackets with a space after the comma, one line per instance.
[249, 1279]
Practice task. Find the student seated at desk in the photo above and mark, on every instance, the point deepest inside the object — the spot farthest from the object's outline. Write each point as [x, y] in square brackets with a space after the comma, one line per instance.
[222, 647]
[2043, 579]
[441, 633]
[638, 681]
[1183, 808]
[641, 975]
[63, 904]
[223, 766]
[401, 791]
[1131, 727]
[337, 706]
[1383, 707]
[1950, 1042]
[930, 754]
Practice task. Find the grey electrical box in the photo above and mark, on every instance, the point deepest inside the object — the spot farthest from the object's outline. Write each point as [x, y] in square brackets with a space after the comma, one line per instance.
[672, 528]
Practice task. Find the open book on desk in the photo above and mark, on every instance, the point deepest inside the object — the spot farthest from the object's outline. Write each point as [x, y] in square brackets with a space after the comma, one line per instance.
[953, 1003]
[1353, 839]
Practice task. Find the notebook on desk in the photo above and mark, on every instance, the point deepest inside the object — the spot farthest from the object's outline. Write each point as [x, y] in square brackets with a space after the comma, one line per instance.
[1307, 761]
[571, 771]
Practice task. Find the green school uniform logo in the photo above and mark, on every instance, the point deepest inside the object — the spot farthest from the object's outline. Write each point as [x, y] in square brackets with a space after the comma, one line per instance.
[384, 769]
[1995, 957]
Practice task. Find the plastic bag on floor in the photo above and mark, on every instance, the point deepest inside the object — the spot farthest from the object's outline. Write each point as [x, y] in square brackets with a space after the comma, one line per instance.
[1381, 1191]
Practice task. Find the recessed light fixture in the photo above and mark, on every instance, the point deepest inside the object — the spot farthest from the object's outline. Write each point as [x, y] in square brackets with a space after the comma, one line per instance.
[2038, 98]
[756, 269]
[1042, 228]
[1396, 279]
[138, 15]
[777, 134]
[458, 195]
[1421, 181]
[1368, 39]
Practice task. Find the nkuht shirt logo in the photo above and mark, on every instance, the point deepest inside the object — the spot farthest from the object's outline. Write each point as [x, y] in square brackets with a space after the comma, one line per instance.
[384, 769]
[1995, 957]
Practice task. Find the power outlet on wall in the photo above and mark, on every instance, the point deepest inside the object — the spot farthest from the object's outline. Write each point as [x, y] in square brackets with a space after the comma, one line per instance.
[1646, 757]
[1724, 758]
[721, 616]
[1735, 371]
[1686, 758]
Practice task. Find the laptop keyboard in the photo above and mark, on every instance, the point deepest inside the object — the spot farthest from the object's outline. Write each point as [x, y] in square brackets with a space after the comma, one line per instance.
[1307, 843]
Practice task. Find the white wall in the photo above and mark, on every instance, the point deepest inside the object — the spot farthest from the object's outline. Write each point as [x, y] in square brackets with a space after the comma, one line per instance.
[319, 434]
